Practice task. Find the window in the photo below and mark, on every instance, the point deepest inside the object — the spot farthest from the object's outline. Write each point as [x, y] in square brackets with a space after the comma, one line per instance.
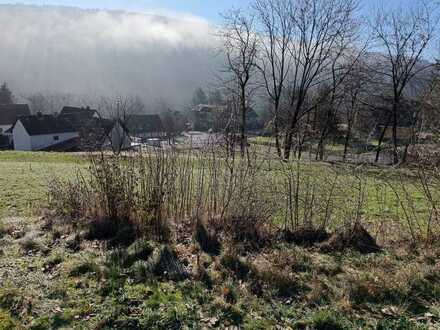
[56, 138]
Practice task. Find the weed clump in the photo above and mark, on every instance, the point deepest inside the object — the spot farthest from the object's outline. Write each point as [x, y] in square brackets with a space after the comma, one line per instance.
[6, 321]
[208, 242]
[87, 267]
[306, 237]
[240, 268]
[31, 245]
[329, 320]
[4, 230]
[12, 301]
[167, 265]
[355, 238]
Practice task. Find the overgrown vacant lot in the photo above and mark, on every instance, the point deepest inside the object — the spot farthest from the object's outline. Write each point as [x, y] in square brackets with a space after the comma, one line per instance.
[136, 246]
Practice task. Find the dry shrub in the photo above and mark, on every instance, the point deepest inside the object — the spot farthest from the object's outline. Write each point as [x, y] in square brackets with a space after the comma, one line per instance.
[306, 237]
[284, 284]
[238, 266]
[267, 276]
[68, 198]
[5, 230]
[420, 155]
[143, 193]
[167, 265]
[353, 238]
[247, 219]
[116, 198]
[208, 242]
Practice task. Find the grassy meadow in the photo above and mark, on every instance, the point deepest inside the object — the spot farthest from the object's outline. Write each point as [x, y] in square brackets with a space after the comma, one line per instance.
[55, 275]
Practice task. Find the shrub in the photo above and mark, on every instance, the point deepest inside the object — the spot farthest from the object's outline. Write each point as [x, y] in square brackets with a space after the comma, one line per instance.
[329, 320]
[141, 271]
[203, 276]
[52, 262]
[32, 245]
[11, 300]
[240, 268]
[401, 324]
[207, 241]
[4, 230]
[115, 280]
[140, 250]
[68, 198]
[166, 264]
[284, 285]
[426, 286]
[86, 267]
[73, 243]
[6, 321]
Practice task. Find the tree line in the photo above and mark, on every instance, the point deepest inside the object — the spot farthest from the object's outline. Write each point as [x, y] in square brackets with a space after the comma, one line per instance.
[321, 67]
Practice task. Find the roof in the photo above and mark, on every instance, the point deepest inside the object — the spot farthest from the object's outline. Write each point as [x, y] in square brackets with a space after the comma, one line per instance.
[144, 124]
[46, 124]
[86, 113]
[9, 113]
[208, 108]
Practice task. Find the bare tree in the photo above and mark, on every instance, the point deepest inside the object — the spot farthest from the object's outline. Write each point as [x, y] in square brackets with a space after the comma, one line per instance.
[323, 31]
[276, 33]
[353, 90]
[403, 36]
[240, 43]
[118, 111]
[48, 103]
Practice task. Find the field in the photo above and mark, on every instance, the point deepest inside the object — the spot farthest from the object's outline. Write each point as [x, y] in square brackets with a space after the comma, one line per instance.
[52, 277]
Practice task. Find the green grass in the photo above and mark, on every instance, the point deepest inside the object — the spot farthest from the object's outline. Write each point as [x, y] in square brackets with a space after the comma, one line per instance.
[90, 287]
[24, 178]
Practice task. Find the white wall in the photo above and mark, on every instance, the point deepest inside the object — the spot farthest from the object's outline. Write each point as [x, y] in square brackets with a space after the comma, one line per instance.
[22, 140]
[39, 142]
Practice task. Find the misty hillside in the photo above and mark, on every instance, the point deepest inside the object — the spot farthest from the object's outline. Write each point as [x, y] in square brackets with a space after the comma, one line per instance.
[97, 52]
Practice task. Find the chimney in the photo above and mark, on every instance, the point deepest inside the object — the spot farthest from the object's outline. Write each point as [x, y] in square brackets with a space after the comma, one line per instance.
[39, 114]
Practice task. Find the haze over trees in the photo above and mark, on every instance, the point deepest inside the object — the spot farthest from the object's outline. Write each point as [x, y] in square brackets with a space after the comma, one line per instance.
[329, 73]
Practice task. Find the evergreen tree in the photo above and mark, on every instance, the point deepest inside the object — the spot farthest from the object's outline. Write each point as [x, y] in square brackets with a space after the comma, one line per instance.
[5, 94]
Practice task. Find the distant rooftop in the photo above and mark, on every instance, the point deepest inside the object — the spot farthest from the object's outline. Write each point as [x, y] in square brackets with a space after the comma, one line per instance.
[9, 113]
[46, 124]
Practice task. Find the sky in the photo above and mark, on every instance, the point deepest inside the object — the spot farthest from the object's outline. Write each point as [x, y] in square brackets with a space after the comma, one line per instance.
[208, 9]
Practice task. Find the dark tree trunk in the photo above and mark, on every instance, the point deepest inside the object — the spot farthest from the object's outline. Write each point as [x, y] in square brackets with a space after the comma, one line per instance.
[277, 135]
[289, 136]
[346, 143]
[243, 123]
[395, 146]
[381, 138]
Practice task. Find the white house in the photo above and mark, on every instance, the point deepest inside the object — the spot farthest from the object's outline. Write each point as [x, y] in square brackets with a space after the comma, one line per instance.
[41, 132]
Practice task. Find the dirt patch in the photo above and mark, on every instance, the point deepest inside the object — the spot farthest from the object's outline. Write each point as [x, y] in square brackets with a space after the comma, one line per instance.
[356, 238]
[306, 237]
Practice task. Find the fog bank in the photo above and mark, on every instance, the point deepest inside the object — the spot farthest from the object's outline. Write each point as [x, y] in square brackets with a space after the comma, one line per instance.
[104, 53]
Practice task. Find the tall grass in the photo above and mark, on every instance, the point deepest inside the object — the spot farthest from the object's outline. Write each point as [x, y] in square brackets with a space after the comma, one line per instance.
[243, 199]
